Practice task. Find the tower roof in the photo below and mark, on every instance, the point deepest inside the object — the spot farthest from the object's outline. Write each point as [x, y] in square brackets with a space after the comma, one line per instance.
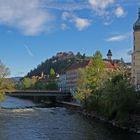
[136, 26]
[109, 53]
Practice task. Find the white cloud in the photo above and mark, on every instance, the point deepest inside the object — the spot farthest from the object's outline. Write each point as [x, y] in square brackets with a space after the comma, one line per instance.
[119, 12]
[66, 5]
[32, 18]
[64, 26]
[117, 38]
[100, 4]
[25, 15]
[106, 23]
[103, 9]
[66, 15]
[81, 23]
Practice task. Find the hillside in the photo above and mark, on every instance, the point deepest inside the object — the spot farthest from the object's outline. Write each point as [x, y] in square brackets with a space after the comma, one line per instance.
[59, 63]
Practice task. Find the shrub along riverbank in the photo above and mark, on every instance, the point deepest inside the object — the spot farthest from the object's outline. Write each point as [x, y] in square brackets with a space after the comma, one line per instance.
[109, 95]
[5, 83]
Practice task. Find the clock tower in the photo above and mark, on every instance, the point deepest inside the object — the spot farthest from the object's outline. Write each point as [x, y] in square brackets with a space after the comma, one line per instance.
[136, 53]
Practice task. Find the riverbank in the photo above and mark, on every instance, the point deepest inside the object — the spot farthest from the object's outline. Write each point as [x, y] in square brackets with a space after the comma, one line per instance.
[134, 122]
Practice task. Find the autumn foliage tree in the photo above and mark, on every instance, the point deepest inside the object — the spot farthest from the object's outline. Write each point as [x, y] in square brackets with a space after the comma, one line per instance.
[90, 79]
[5, 83]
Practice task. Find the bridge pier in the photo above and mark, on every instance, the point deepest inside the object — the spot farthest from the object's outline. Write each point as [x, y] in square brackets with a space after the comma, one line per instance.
[37, 99]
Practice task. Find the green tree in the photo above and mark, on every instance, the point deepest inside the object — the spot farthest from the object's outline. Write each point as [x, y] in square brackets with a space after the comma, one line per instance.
[40, 85]
[79, 55]
[27, 83]
[95, 72]
[52, 73]
[118, 99]
[84, 56]
[83, 91]
[91, 79]
[51, 85]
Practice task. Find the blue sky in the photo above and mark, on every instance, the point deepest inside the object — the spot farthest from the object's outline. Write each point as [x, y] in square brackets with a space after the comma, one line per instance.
[33, 30]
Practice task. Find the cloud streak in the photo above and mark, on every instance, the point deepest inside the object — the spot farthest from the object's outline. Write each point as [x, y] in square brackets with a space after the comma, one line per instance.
[67, 6]
[28, 51]
[118, 38]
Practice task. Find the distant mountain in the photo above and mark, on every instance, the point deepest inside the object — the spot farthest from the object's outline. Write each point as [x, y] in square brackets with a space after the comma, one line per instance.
[16, 78]
[60, 62]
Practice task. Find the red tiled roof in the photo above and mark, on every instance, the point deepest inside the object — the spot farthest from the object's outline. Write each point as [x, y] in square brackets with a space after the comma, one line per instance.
[110, 65]
[82, 64]
[78, 64]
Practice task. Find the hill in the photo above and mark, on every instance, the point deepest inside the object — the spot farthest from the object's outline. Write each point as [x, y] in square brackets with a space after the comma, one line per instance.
[60, 62]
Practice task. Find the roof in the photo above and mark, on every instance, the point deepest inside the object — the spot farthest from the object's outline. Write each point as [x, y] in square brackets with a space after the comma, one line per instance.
[83, 64]
[136, 26]
[78, 64]
[110, 65]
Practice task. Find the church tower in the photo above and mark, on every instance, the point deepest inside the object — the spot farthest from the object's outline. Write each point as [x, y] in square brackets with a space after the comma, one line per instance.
[136, 52]
[109, 55]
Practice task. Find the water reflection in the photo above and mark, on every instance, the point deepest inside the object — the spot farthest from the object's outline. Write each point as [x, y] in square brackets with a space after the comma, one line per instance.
[11, 102]
[54, 124]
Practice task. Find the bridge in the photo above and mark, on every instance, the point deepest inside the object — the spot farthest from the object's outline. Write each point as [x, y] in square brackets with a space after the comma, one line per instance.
[38, 95]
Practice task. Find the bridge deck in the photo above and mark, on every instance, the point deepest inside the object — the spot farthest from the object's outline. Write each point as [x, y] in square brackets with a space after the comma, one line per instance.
[39, 93]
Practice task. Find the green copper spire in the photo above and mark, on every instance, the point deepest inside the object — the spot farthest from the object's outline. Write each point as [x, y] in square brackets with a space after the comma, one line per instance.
[136, 26]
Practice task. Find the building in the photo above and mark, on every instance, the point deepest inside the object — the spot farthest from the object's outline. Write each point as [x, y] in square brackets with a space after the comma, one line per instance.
[68, 80]
[136, 53]
[64, 55]
[72, 74]
[62, 82]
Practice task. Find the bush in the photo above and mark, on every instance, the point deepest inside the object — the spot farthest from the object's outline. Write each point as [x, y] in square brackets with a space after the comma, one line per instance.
[118, 99]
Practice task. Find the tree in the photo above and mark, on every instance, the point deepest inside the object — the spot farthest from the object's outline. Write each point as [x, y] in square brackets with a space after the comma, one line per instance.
[78, 55]
[83, 90]
[95, 72]
[40, 85]
[27, 83]
[51, 85]
[118, 99]
[52, 73]
[91, 79]
[84, 56]
[4, 71]
[5, 83]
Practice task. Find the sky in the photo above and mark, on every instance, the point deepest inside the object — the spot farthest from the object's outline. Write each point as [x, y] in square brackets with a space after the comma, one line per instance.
[32, 31]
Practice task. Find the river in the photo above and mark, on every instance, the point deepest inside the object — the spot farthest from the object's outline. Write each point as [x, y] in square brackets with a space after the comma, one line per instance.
[22, 120]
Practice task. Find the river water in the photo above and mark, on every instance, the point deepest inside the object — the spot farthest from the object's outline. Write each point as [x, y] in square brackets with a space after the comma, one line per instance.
[18, 121]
